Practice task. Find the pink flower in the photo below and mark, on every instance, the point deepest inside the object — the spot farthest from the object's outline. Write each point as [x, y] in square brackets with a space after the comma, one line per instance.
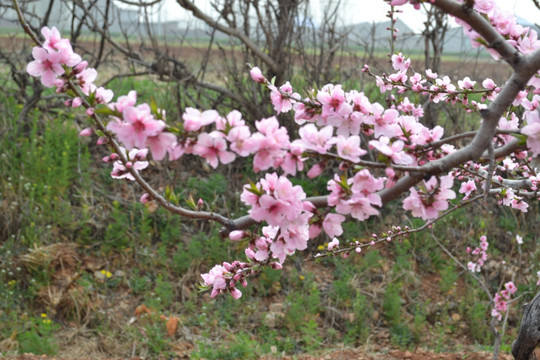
[313, 139]
[349, 148]
[400, 63]
[138, 125]
[46, 65]
[269, 144]
[432, 199]
[124, 101]
[215, 278]
[293, 159]
[467, 188]
[532, 130]
[53, 40]
[394, 151]
[213, 148]
[135, 161]
[334, 244]
[466, 84]
[332, 225]
[332, 98]
[86, 79]
[489, 84]
[510, 287]
[194, 119]
[238, 137]
[281, 99]
[160, 144]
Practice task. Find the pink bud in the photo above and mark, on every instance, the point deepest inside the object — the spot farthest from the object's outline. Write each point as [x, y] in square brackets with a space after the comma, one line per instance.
[102, 140]
[257, 75]
[146, 198]
[76, 102]
[86, 132]
[235, 293]
[237, 235]
[129, 165]
[250, 253]
[200, 204]
[90, 111]
[80, 67]
[106, 159]
[114, 156]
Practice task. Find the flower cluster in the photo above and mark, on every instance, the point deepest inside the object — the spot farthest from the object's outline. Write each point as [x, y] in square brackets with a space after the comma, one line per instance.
[275, 200]
[366, 147]
[431, 197]
[480, 253]
[356, 196]
[224, 278]
[500, 301]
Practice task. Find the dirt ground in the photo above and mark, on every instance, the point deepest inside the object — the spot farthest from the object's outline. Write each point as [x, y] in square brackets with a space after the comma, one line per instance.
[344, 354]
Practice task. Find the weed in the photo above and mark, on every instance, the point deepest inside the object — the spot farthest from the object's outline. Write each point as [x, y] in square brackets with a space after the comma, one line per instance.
[37, 336]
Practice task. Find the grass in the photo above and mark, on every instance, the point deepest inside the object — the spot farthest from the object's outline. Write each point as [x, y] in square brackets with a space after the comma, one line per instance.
[77, 246]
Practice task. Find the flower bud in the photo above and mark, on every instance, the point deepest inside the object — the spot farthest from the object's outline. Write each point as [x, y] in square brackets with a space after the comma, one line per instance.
[86, 132]
[257, 75]
[80, 67]
[76, 102]
[146, 198]
[102, 140]
[237, 235]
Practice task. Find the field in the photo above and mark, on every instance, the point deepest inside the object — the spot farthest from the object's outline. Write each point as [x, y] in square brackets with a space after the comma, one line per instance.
[86, 271]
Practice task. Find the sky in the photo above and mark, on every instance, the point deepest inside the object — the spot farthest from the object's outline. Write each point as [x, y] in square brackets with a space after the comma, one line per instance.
[355, 11]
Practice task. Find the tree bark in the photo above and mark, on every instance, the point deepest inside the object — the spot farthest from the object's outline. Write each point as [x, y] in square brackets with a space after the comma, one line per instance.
[529, 333]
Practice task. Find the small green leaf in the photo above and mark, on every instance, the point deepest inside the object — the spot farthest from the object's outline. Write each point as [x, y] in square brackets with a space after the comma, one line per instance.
[153, 106]
[521, 137]
[107, 112]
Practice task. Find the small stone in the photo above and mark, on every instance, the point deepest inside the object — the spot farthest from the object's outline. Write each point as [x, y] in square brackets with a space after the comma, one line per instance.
[456, 317]
[99, 276]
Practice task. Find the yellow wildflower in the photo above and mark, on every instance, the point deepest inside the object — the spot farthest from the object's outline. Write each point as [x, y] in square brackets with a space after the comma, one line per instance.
[107, 274]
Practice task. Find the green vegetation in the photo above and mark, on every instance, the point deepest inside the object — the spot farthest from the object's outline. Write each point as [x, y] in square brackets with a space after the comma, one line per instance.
[78, 247]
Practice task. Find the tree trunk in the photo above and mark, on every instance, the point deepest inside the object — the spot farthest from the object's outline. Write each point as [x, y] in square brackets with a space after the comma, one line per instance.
[529, 333]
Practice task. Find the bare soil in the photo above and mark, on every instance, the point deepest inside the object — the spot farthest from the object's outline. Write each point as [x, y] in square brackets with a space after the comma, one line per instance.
[340, 354]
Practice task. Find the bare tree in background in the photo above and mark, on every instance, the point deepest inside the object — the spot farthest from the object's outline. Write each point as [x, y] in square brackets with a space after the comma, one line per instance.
[276, 35]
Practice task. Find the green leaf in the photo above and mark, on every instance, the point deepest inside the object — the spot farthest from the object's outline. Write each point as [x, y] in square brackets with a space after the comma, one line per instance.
[521, 137]
[154, 107]
[107, 112]
[92, 98]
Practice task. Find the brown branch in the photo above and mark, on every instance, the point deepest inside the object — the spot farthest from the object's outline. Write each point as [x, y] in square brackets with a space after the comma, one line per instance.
[479, 24]
[188, 5]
